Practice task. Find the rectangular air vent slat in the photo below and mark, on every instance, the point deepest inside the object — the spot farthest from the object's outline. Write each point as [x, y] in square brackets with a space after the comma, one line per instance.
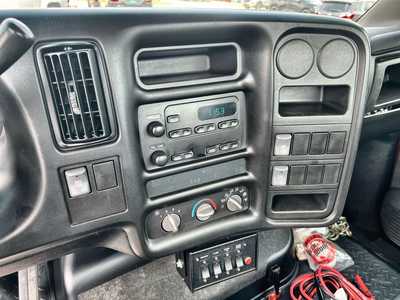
[77, 91]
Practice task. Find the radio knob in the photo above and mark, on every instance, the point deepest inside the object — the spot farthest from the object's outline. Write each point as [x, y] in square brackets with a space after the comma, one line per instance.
[204, 211]
[159, 158]
[234, 203]
[171, 223]
[156, 129]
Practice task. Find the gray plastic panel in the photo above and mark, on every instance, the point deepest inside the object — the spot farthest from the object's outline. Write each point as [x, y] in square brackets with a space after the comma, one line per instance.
[314, 78]
[181, 181]
[298, 205]
[180, 63]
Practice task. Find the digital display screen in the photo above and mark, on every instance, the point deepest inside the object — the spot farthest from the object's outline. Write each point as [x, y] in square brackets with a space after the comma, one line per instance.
[216, 111]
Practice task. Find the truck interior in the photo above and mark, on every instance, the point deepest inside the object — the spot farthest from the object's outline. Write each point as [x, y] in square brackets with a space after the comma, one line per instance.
[168, 153]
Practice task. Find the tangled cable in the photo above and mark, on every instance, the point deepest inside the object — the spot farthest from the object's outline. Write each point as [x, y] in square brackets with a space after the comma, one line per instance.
[324, 282]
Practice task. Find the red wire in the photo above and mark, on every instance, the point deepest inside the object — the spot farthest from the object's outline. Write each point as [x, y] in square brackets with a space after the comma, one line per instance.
[330, 280]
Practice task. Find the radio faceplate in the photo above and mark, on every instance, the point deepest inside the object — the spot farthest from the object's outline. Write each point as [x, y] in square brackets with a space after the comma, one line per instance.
[176, 132]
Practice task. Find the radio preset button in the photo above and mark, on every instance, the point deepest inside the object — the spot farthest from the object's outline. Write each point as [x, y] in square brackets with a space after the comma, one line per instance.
[205, 128]
[177, 157]
[228, 124]
[173, 119]
[180, 133]
[225, 147]
[212, 149]
[211, 127]
[234, 145]
[233, 123]
[174, 134]
[200, 129]
[229, 146]
[186, 131]
[188, 155]
[182, 156]
[223, 125]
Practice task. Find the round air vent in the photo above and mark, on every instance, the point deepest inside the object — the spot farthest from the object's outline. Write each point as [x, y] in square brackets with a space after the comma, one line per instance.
[295, 59]
[336, 58]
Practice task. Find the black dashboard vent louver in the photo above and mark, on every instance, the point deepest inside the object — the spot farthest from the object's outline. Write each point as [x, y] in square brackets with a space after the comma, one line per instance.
[77, 90]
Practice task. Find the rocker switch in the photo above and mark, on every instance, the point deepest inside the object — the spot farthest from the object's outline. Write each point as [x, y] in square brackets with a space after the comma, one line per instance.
[205, 273]
[228, 264]
[217, 269]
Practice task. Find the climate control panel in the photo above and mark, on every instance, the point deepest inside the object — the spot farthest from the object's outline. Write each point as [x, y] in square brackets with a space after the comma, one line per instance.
[176, 132]
[197, 211]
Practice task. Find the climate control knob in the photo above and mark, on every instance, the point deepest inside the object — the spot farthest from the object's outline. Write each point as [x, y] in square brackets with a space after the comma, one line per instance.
[156, 129]
[171, 223]
[159, 158]
[204, 211]
[234, 203]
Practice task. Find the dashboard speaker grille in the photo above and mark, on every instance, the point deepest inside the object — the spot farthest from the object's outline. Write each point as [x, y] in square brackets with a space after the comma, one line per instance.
[75, 83]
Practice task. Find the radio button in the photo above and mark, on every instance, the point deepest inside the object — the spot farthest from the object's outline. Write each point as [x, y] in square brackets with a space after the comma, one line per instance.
[173, 119]
[179, 133]
[177, 157]
[174, 134]
[212, 149]
[200, 129]
[186, 131]
[211, 127]
[233, 123]
[188, 155]
[223, 125]
[228, 124]
[234, 145]
[225, 147]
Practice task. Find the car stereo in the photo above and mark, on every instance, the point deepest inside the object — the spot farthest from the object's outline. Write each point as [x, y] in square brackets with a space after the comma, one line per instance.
[179, 131]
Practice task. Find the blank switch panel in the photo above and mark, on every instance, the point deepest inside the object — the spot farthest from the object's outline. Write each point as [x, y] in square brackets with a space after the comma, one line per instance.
[297, 175]
[300, 144]
[336, 142]
[306, 174]
[318, 143]
[314, 174]
[104, 174]
[331, 174]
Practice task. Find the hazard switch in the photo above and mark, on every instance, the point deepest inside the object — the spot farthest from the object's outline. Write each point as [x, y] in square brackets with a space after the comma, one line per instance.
[248, 261]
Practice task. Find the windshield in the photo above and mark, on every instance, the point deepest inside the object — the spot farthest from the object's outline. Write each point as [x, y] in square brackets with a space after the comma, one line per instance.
[344, 9]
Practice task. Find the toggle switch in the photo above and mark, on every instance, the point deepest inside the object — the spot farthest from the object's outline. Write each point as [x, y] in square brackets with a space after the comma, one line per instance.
[205, 273]
[282, 144]
[77, 182]
[279, 175]
[228, 264]
[217, 269]
[239, 262]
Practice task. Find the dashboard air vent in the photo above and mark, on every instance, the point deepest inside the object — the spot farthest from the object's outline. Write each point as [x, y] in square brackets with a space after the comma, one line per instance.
[76, 87]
